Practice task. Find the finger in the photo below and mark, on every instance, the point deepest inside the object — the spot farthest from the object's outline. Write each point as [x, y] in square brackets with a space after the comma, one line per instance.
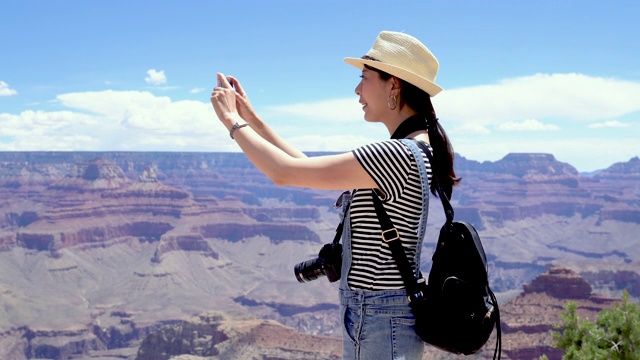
[236, 85]
[222, 81]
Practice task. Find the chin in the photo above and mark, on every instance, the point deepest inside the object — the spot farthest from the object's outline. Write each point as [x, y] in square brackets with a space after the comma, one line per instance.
[369, 119]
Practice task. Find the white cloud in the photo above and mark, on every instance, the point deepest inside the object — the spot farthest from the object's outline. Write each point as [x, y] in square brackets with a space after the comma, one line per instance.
[155, 77]
[509, 104]
[478, 118]
[142, 121]
[470, 128]
[333, 110]
[609, 124]
[34, 122]
[574, 97]
[331, 143]
[196, 90]
[5, 90]
[141, 110]
[116, 120]
[528, 125]
[40, 130]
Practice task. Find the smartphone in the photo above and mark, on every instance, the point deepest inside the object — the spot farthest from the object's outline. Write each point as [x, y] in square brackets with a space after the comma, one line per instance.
[221, 84]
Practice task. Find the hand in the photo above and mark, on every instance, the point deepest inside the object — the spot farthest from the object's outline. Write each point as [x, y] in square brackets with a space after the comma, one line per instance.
[223, 100]
[243, 105]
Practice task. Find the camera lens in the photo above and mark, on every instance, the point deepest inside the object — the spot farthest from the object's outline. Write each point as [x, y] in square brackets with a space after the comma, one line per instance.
[309, 270]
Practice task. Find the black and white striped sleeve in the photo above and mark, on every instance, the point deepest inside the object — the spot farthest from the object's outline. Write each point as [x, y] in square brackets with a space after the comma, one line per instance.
[388, 163]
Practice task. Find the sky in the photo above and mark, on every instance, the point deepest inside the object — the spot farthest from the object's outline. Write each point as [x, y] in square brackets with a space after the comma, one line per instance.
[559, 77]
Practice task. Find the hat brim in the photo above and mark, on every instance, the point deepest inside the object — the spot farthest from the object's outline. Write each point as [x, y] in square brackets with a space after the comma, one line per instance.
[428, 86]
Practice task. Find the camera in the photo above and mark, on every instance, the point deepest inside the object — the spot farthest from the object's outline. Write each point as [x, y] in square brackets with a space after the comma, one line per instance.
[328, 263]
[221, 84]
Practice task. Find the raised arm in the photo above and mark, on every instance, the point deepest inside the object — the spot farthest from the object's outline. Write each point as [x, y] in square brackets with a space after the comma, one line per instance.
[334, 172]
[248, 114]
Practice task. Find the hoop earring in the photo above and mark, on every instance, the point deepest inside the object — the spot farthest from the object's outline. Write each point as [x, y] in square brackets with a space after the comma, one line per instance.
[395, 103]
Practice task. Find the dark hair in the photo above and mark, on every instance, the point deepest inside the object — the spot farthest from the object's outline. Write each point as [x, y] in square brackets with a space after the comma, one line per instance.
[443, 155]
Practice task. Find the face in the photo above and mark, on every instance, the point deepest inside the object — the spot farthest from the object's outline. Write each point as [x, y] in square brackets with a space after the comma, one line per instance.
[373, 93]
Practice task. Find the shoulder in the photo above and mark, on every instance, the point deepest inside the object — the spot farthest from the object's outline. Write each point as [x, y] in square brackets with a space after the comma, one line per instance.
[383, 148]
[389, 163]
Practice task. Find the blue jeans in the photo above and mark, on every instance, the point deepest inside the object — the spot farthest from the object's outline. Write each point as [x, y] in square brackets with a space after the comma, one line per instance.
[378, 325]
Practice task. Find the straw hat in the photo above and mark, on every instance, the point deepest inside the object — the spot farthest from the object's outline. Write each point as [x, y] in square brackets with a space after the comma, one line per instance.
[404, 57]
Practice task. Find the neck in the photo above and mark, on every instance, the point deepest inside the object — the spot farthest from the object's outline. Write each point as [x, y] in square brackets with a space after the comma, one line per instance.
[397, 118]
[410, 127]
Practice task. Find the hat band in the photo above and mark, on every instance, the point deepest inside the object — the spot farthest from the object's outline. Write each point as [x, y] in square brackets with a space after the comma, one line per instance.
[371, 58]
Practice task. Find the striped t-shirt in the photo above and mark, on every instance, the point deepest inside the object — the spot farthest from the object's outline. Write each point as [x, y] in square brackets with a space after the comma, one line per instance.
[392, 166]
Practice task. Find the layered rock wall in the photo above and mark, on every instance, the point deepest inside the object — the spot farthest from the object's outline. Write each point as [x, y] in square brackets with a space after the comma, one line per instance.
[162, 234]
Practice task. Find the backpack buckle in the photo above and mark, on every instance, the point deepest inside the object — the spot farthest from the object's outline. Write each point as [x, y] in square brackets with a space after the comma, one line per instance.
[390, 235]
[417, 296]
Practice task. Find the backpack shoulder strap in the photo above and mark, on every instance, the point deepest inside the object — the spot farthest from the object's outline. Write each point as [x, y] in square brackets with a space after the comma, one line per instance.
[391, 236]
[446, 205]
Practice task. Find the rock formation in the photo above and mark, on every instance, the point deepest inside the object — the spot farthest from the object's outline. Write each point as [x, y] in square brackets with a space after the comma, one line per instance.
[214, 336]
[560, 283]
[99, 250]
[527, 324]
[529, 319]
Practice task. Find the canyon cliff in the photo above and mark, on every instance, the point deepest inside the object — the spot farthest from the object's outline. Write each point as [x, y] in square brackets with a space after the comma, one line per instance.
[100, 252]
[528, 322]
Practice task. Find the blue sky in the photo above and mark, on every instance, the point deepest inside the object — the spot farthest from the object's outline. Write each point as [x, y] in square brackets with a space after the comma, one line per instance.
[560, 77]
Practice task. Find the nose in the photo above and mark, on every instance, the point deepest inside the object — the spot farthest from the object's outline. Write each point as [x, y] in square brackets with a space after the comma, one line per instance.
[358, 88]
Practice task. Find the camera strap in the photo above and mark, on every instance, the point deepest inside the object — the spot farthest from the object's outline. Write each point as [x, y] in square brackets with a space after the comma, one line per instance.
[336, 239]
[340, 227]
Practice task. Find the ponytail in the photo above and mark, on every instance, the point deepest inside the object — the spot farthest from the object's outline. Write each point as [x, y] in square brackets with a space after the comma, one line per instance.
[443, 154]
[442, 167]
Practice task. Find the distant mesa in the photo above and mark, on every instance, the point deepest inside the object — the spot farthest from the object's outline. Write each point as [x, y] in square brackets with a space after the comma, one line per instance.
[631, 167]
[100, 169]
[95, 175]
[519, 165]
[560, 283]
[529, 319]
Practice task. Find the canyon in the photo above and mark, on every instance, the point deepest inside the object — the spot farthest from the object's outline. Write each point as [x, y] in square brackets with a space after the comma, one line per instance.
[112, 255]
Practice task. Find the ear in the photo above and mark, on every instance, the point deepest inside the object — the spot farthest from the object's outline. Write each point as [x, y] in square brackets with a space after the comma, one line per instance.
[396, 85]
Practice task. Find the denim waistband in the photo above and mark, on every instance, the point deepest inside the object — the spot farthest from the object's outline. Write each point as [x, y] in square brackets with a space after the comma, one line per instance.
[379, 297]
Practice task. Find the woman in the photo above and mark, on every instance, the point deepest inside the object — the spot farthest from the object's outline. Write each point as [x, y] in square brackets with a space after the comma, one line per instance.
[398, 79]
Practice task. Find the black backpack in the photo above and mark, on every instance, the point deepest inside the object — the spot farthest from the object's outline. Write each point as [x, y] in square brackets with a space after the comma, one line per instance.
[456, 311]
